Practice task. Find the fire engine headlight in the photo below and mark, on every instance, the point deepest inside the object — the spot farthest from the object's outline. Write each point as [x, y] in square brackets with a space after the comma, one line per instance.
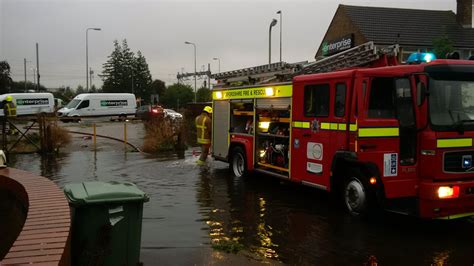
[219, 95]
[446, 192]
[269, 91]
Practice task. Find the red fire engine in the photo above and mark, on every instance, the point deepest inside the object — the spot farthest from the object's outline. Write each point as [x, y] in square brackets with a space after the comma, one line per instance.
[378, 133]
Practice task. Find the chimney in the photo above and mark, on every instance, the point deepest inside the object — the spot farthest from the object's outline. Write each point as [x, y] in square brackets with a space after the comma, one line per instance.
[464, 13]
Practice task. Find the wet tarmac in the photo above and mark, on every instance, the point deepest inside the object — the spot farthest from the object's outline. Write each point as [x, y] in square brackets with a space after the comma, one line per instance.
[191, 207]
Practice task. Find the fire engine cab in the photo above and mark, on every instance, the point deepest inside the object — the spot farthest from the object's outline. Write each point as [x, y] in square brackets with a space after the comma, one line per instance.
[358, 124]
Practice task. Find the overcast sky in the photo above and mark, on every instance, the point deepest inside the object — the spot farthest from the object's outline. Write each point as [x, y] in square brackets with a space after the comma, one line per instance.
[234, 31]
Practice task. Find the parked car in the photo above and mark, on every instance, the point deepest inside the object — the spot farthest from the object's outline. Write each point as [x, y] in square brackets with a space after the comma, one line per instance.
[99, 104]
[148, 112]
[173, 114]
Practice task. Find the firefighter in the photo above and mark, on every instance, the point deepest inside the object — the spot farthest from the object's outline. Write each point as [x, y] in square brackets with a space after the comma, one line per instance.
[203, 132]
[9, 110]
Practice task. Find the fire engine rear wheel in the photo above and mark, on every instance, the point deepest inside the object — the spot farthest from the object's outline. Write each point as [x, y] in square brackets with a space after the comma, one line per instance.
[355, 196]
[238, 163]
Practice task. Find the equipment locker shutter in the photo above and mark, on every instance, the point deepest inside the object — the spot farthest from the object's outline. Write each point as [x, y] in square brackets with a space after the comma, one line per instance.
[220, 132]
[274, 103]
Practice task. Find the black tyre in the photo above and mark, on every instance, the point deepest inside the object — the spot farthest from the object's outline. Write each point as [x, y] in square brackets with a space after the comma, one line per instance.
[238, 162]
[355, 194]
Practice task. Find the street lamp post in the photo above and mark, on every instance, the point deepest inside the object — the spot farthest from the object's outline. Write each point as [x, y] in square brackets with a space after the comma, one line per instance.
[87, 56]
[273, 23]
[195, 91]
[218, 59]
[281, 26]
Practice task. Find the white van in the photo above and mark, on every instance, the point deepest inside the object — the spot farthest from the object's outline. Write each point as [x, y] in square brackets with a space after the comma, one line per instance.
[99, 104]
[31, 103]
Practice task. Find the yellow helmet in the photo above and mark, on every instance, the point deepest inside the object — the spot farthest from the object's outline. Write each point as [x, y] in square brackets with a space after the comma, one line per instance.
[9, 98]
[208, 109]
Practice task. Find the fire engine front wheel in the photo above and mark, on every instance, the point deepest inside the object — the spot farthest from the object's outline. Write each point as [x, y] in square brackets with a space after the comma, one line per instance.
[355, 196]
[238, 163]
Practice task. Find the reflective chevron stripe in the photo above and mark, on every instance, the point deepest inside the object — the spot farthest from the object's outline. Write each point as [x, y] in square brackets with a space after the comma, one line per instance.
[370, 132]
[454, 143]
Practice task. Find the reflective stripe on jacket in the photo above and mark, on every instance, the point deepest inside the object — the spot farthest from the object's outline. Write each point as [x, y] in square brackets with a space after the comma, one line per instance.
[9, 109]
[203, 128]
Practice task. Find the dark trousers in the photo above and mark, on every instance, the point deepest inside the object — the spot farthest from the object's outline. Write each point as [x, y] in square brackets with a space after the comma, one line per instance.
[3, 122]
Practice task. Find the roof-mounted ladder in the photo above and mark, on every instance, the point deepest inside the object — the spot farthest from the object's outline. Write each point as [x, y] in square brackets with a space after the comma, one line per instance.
[358, 56]
[361, 55]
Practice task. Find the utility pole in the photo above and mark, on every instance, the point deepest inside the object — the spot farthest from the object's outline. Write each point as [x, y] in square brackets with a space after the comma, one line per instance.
[209, 76]
[34, 76]
[24, 64]
[37, 69]
[90, 75]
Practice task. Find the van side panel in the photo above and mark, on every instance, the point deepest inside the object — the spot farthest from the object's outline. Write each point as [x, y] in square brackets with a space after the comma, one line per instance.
[105, 104]
[31, 103]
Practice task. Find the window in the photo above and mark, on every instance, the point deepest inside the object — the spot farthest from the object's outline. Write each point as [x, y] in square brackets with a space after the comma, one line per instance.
[340, 100]
[382, 98]
[316, 100]
[405, 112]
[83, 104]
[73, 104]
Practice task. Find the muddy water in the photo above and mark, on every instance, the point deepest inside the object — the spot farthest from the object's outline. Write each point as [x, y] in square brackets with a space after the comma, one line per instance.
[190, 207]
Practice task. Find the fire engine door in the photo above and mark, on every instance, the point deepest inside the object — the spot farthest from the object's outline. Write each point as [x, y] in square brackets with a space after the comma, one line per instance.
[387, 133]
[312, 146]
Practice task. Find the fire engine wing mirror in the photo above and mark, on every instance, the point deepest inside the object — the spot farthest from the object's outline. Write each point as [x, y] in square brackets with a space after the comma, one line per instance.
[422, 93]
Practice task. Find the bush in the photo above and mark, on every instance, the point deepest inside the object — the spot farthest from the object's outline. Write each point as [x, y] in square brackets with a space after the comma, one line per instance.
[59, 137]
[162, 134]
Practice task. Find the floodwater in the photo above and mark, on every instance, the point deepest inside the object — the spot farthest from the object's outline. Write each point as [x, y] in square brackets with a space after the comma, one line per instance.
[190, 207]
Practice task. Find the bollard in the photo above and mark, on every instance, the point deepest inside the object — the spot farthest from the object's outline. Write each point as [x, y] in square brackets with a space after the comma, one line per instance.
[125, 136]
[95, 137]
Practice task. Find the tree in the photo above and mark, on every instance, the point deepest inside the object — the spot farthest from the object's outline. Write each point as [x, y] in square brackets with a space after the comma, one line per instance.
[126, 72]
[80, 90]
[94, 89]
[158, 87]
[65, 93]
[442, 46]
[203, 95]
[5, 79]
[142, 78]
[20, 86]
[177, 95]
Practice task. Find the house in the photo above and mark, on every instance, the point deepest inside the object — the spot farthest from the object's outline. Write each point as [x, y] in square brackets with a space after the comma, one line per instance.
[413, 29]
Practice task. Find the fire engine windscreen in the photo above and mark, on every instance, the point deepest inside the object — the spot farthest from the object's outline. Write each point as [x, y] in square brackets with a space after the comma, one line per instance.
[451, 103]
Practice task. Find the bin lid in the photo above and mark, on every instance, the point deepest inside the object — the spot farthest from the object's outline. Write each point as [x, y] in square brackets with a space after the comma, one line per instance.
[103, 192]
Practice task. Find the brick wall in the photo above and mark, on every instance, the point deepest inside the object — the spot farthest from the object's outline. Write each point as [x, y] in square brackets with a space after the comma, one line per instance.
[340, 26]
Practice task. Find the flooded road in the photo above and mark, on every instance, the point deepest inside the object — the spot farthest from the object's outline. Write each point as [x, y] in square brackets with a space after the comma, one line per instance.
[190, 207]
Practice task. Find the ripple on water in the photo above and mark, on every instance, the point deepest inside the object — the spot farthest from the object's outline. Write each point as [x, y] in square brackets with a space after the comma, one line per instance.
[191, 205]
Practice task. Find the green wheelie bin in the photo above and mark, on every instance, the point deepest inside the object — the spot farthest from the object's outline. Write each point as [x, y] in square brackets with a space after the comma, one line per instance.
[106, 222]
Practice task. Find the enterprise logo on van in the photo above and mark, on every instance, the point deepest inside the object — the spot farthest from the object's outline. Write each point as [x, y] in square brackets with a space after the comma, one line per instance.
[40, 101]
[113, 103]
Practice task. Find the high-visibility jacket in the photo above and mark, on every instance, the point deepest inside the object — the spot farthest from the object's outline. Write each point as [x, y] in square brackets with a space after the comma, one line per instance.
[203, 128]
[9, 109]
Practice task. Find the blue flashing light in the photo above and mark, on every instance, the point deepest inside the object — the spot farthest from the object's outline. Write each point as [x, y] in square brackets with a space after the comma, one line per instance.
[417, 58]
